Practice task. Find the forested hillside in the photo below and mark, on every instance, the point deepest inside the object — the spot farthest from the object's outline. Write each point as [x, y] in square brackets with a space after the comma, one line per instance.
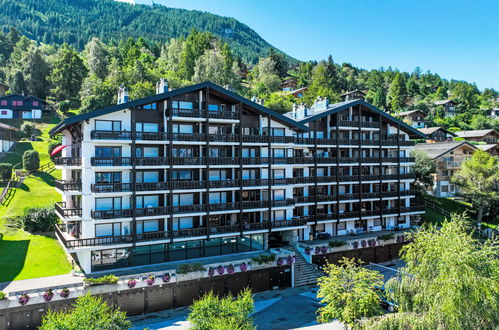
[76, 21]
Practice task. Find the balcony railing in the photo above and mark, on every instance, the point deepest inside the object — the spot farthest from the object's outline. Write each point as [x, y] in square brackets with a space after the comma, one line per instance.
[68, 185]
[68, 161]
[66, 212]
[196, 113]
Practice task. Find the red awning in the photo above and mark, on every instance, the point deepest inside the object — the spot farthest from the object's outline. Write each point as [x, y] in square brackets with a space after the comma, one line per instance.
[57, 150]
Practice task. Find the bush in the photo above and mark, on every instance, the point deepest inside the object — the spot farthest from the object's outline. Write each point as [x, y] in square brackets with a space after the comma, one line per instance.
[5, 171]
[213, 312]
[108, 279]
[189, 268]
[386, 237]
[2, 295]
[264, 258]
[27, 129]
[333, 244]
[35, 219]
[31, 160]
[52, 146]
[65, 105]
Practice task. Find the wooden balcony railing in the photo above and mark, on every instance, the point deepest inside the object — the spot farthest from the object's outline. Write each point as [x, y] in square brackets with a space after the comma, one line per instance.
[66, 212]
[68, 185]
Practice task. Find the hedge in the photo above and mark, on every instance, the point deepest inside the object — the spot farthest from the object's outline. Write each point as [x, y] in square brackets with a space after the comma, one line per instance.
[31, 160]
[5, 171]
[108, 279]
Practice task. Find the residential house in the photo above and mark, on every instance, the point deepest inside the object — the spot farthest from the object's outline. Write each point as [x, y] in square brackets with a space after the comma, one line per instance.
[415, 118]
[353, 95]
[489, 136]
[449, 107]
[492, 149]
[200, 171]
[437, 134]
[448, 157]
[494, 114]
[298, 93]
[20, 106]
[289, 84]
[7, 136]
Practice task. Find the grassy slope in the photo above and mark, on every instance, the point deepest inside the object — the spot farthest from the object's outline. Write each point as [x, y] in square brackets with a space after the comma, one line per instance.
[450, 205]
[25, 255]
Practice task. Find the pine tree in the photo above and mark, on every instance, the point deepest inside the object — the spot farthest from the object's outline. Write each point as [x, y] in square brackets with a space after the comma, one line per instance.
[67, 74]
[397, 93]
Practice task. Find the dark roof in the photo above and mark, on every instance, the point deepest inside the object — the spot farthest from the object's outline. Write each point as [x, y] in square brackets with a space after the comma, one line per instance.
[158, 97]
[406, 113]
[352, 92]
[12, 128]
[22, 97]
[435, 150]
[475, 133]
[336, 107]
[487, 147]
[442, 102]
[431, 130]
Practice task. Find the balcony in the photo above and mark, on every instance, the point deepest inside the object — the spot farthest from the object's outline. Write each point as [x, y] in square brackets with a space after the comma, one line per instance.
[64, 185]
[66, 212]
[196, 113]
[67, 161]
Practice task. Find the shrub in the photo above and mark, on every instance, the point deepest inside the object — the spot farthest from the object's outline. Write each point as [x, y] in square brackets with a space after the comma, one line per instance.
[5, 171]
[386, 237]
[333, 244]
[52, 146]
[189, 268]
[108, 279]
[31, 160]
[264, 258]
[35, 219]
[28, 129]
[65, 105]
[2, 295]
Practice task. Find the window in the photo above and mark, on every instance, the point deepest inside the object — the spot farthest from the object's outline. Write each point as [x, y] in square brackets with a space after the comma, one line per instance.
[218, 152]
[278, 131]
[107, 125]
[183, 128]
[342, 226]
[247, 152]
[110, 203]
[147, 201]
[147, 226]
[249, 174]
[107, 151]
[217, 175]
[4, 102]
[147, 176]
[278, 174]
[445, 173]
[146, 127]
[182, 175]
[278, 195]
[279, 153]
[183, 152]
[215, 107]
[17, 103]
[4, 112]
[151, 106]
[147, 152]
[35, 103]
[183, 199]
[108, 177]
[218, 197]
[182, 105]
[445, 188]
[183, 223]
[108, 229]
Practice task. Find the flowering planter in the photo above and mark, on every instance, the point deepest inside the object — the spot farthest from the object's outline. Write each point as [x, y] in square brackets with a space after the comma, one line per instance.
[64, 293]
[132, 283]
[243, 267]
[23, 299]
[280, 261]
[166, 278]
[230, 269]
[48, 295]
[150, 280]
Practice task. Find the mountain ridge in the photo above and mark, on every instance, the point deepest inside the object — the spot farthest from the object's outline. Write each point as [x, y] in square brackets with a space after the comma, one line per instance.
[76, 21]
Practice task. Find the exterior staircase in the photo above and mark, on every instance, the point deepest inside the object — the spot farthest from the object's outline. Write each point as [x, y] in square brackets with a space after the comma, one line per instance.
[305, 273]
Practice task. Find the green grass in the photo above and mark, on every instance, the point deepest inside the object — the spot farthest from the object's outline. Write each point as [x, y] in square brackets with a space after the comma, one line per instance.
[24, 255]
[433, 217]
[30, 256]
[450, 205]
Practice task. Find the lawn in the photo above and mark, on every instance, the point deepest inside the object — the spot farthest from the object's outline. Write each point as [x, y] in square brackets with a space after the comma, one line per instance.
[25, 255]
[450, 205]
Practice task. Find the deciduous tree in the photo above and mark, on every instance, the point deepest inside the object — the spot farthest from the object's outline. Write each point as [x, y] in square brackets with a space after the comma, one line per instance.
[424, 169]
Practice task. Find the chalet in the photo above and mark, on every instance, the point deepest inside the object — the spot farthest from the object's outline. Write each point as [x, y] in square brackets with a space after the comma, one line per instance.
[449, 107]
[298, 93]
[7, 136]
[415, 118]
[289, 84]
[437, 134]
[494, 113]
[353, 95]
[3, 89]
[448, 157]
[489, 136]
[20, 106]
[492, 149]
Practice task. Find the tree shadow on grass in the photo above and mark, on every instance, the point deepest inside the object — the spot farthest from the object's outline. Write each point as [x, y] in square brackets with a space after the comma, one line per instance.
[13, 255]
[46, 177]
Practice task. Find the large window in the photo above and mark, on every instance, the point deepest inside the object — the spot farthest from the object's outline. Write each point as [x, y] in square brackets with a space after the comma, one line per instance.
[109, 203]
[147, 152]
[108, 125]
[183, 152]
[279, 153]
[107, 151]
[147, 226]
[183, 199]
[108, 229]
[147, 176]
[183, 128]
[182, 175]
[147, 201]
[217, 175]
[107, 177]
[218, 197]
[146, 127]
[183, 223]
[182, 105]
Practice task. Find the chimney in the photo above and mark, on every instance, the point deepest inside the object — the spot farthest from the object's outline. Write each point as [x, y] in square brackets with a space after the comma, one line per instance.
[229, 88]
[122, 94]
[162, 86]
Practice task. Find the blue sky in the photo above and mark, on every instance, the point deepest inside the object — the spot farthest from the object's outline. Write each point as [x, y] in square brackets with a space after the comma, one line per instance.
[457, 39]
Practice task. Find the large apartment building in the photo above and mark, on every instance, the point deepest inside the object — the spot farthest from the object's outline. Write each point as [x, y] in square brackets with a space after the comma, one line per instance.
[201, 171]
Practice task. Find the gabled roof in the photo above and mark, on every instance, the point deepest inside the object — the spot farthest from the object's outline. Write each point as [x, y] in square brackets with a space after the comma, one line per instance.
[337, 107]
[406, 113]
[352, 92]
[22, 97]
[435, 150]
[442, 102]
[488, 147]
[475, 133]
[158, 97]
[12, 128]
[431, 130]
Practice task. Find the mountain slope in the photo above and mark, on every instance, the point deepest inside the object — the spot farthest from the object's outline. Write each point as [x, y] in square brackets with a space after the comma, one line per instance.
[77, 21]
